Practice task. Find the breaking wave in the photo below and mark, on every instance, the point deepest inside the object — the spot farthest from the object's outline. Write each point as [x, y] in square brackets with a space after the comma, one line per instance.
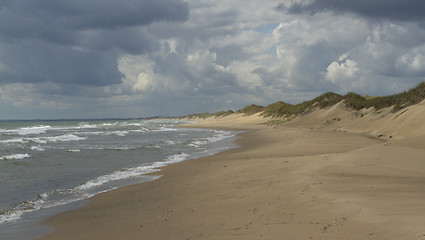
[86, 190]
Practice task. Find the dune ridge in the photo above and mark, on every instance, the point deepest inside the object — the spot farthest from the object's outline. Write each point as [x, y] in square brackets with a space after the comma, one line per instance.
[400, 115]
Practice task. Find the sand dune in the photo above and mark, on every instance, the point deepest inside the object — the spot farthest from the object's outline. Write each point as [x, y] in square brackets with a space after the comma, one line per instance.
[408, 122]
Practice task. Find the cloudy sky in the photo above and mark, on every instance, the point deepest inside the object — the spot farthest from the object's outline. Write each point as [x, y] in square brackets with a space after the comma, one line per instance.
[140, 58]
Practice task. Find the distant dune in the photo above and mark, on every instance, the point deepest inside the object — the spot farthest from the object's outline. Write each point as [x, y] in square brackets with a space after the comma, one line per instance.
[395, 116]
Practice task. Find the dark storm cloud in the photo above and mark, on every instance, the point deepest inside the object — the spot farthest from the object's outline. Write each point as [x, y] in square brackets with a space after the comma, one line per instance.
[130, 40]
[77, 41]
[35, 61]
[43, 18]
[403, 10]
[228, 54]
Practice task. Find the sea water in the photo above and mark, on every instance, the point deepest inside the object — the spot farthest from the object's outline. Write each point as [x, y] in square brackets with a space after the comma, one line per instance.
[49, 164]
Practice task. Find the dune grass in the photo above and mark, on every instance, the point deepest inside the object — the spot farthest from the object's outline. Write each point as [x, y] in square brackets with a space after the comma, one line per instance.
[398, 101]
[352, 100]
[251, 109]
[282, 109]
[207, 114]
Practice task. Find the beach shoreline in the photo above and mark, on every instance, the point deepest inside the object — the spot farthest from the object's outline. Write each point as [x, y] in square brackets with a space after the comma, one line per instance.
[281, 183]
[93, 157]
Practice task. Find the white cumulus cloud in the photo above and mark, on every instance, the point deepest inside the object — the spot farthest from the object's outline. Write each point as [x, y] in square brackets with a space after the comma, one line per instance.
[342, 71]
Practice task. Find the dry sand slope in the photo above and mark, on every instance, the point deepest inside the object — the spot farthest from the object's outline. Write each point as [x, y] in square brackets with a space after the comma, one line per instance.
[324, 175]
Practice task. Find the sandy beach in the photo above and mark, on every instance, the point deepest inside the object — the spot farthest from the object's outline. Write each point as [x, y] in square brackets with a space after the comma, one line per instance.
[212, 120]
[306, 179]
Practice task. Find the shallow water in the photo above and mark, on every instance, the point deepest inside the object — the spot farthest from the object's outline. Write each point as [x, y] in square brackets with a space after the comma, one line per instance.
[46, 166]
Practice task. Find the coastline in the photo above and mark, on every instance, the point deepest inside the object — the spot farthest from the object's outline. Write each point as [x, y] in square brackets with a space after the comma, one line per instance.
[103, 156]
[281, 183]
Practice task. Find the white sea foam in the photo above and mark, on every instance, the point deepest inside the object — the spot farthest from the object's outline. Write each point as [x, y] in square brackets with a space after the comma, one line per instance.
[140, 130]
[136, 124]
[175, 158]
[165, 129]
[109, 133]
[197, 143]
[16, 156]
[73, 150]
[21, 209]
[91, 133]
[170, 142]
[35, 130]
[131, 172]
[86, 125]
[85, 190]
[64, 138]
[42, 140]
[14, 140]
[154, 146]
[218, 136]
[119, 133]
[37, 148]
[121, 148]
[117, 175]
[41, 202]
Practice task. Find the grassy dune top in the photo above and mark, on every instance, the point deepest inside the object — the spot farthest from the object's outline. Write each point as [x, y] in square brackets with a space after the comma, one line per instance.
[352, 100]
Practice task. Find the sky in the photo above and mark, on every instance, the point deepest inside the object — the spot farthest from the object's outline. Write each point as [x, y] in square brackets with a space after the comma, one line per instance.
[143, 58]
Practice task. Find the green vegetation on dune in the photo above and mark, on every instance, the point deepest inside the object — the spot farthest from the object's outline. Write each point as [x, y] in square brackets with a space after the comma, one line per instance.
[251, 109]
[398, 101]
[207, 114]
[281, 109]
[223, 113]
[351, 100]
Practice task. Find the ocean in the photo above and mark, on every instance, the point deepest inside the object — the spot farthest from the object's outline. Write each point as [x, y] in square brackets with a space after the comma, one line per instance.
[47, 165]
